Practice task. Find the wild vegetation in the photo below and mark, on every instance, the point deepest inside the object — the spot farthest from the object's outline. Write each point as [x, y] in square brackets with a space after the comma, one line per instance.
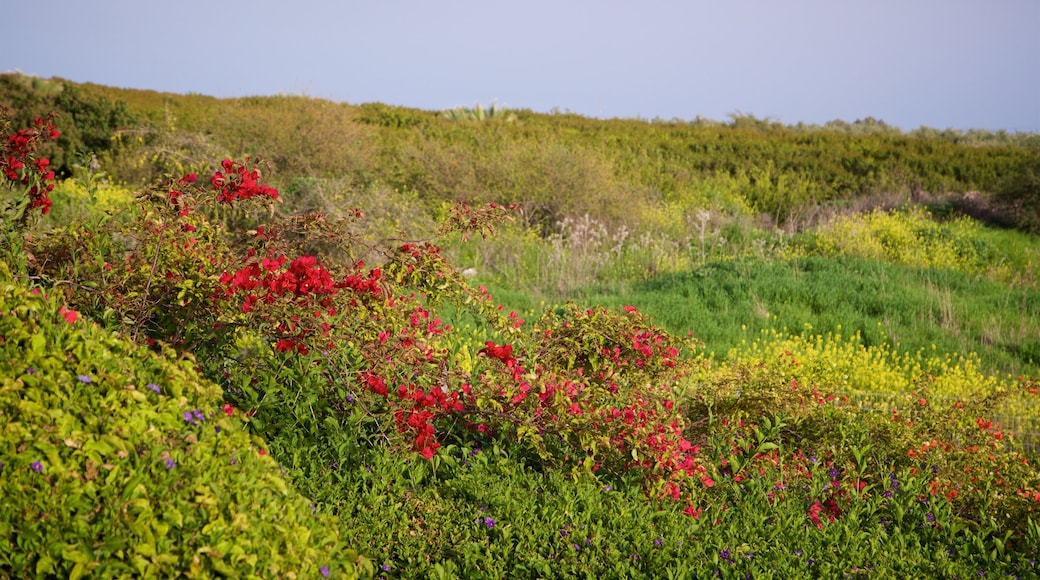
[334, 340]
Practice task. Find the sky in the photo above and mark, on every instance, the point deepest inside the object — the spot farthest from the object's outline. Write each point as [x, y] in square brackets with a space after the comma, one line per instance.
[961, 64]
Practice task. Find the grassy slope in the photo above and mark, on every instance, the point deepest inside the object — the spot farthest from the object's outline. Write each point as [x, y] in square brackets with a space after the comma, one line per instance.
[911, 309]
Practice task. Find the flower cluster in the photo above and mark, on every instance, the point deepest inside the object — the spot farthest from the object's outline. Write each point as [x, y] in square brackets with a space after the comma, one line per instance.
[305, 283]
[416, 410]
[239, 181]
[19, 164]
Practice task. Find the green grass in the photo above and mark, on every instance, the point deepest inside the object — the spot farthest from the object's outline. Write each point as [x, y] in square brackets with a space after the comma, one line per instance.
[910, 309]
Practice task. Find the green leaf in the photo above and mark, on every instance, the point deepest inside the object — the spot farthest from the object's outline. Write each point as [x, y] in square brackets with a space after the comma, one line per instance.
[38, 343]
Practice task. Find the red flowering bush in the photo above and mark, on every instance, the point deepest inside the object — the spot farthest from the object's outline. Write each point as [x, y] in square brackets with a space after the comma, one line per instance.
[23, 170]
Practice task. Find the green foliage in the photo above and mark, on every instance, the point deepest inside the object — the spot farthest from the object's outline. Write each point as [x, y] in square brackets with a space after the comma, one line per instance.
[118, 462]
[1020, 192]
[479, 113]
[87, 122]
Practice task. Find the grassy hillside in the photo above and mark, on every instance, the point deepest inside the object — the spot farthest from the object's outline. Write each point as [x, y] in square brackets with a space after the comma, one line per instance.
[692, 349]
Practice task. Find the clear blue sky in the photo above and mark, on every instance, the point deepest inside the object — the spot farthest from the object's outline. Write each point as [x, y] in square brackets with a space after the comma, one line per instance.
[940, 63]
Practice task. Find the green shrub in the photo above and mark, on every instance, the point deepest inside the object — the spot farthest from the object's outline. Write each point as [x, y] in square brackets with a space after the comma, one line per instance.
[1020, 192]
[118, 462]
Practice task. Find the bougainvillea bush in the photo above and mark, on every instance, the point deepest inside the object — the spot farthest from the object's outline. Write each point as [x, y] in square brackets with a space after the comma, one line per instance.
[580, 442]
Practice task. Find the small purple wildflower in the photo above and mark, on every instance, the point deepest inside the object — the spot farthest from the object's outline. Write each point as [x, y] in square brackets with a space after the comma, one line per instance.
[814, 459]
[834, 472]
[187, 417]
[216, 428]
[797, 552]
[169, 463]
[155, 388]
[37, 466]
[324, 571]
[930, 517]
[198, 415]
[84, 379]
[350, 399]
[658, 542]
[724, 554]
[577, 548]
[489, 522]
[30, 370]
[232, 460]
[385, 567]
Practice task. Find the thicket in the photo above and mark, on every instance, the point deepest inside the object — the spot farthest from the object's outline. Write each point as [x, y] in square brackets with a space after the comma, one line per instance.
[627, 171]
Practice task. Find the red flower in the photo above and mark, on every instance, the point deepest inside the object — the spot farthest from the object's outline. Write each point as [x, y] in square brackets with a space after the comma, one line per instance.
[229, 410]
[69, 315]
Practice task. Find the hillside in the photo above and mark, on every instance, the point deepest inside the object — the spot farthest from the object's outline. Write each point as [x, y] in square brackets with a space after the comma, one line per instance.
[489, 343]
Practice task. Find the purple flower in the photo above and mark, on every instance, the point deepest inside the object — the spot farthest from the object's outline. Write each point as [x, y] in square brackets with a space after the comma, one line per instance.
[216, 428]
[577, 548]
[198, 415]
[797, 552]
[658, 542]
[84, 379]
[30, 370]
[814, 459]
[232, 460]
[489, 522]
[37, 466]
[386, 567]
[724, 554]
[324, 571]
[154, 388]
[187, 417]
[169, 463]
[834, 472]
[930, 517]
